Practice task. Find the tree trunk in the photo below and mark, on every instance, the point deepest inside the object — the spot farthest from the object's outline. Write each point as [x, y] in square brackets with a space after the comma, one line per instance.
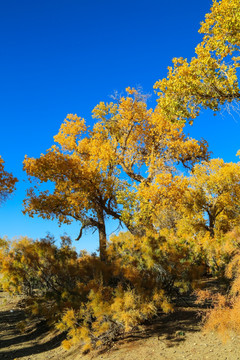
[102, 235]
[211, 224]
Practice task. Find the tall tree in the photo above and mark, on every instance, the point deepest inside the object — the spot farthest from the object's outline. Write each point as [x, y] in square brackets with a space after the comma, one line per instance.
[83, 190]
[97, 173]
[147, 149]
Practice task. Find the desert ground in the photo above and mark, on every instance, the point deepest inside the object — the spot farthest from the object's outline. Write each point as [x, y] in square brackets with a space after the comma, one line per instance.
[168, 337]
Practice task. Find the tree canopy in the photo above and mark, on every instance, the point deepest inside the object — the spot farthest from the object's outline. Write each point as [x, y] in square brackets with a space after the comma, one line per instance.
[104, 171]
[210, 79]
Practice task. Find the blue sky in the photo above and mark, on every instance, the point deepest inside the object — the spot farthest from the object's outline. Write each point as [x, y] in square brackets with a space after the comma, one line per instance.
[64, 56]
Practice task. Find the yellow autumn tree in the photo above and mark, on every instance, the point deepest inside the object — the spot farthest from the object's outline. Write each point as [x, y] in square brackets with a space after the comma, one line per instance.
[84, 188]
[147, 149]
[209, 210]
[113, 168]
[210, 79]
[213, 197]
[7, 182]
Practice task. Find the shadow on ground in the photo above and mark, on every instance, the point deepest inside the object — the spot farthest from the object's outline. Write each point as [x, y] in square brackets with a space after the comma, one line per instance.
[169, 328]
[32, 350]
[14, 345]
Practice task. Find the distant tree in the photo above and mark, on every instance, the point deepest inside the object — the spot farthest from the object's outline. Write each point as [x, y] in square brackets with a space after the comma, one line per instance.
[213, 199]
[7, 182]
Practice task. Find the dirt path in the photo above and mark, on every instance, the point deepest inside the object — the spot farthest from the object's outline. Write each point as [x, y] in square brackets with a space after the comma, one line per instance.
[172, 337]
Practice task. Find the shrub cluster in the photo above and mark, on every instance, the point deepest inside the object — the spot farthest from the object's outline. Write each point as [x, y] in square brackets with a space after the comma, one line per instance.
[92, 300]
[95, 301]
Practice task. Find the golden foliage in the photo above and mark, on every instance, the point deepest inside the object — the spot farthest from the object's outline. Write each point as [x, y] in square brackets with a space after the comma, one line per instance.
[131, 166]
[209, 79]
[224, 316]
[128, 160]
[93, 301]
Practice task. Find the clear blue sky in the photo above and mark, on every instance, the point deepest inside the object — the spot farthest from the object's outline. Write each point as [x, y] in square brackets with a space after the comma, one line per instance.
[64, 56]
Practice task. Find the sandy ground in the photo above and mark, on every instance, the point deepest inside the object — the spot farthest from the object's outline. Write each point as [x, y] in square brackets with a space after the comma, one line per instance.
[170, 337]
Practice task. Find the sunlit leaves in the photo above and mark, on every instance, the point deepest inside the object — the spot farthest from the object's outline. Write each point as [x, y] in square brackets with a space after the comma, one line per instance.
[210, 79]
[214, 195]
[104, 171]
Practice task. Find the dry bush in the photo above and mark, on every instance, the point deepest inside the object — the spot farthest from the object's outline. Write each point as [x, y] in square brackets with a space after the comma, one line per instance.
[92, 300]
[224, 314]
